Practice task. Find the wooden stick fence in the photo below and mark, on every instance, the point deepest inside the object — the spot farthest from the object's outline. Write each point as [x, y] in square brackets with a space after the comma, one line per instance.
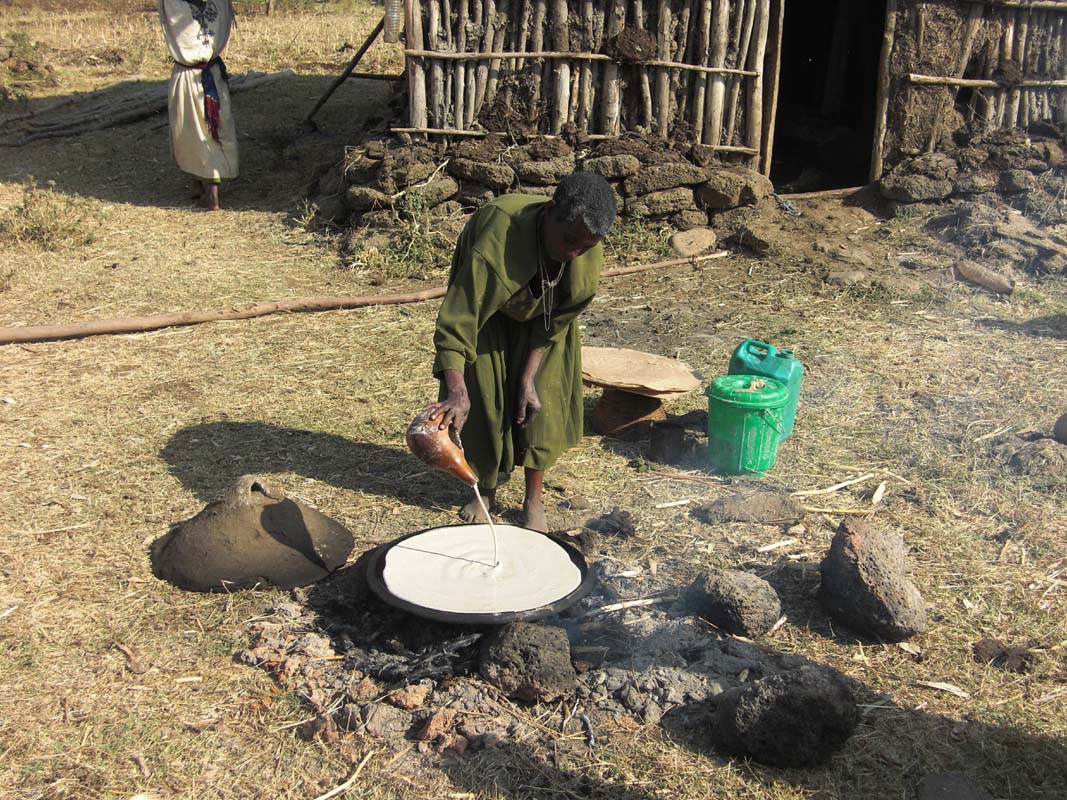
[599, 67]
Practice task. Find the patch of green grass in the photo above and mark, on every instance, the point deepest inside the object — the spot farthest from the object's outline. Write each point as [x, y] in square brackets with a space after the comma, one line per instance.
[636, 235]
[49, 220]
[414, 246]
[1026, 297]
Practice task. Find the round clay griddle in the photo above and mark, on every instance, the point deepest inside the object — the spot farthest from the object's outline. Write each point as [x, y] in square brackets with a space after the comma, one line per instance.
[414, 591]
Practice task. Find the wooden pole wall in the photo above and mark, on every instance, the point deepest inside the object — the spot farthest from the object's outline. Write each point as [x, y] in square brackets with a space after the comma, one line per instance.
[701, 66]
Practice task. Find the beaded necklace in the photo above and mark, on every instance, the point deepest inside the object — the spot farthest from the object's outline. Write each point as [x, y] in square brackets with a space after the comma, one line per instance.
[548, 285]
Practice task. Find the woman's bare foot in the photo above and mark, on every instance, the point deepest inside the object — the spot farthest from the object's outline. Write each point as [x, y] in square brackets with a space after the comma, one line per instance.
[533, 517]
[472, 511]
[210, 198]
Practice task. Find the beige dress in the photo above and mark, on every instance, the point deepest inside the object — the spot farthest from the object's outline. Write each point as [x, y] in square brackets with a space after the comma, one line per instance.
[197, 32]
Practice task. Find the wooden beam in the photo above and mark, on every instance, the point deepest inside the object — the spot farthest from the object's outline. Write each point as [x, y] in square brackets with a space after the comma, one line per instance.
[770, 91]
[552, 54]
[1038, 5]
[980, 83]
[882, 110]
[349, 69]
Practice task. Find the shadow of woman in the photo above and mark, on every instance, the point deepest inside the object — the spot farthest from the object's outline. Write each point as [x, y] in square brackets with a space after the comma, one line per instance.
[209, 457]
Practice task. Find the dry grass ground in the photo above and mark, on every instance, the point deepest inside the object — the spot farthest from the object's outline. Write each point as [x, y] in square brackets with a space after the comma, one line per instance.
[105, 441]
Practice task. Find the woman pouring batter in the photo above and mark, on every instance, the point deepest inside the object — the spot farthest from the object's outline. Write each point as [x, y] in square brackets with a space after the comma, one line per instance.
[507, 340]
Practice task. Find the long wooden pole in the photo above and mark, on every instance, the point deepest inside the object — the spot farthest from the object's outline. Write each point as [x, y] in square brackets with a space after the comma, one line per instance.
[416, 71]
[703, 47]
[980, 83]
[537, 40]
[349, 69]
[1038, 5]
[576, 56]
[154, 322]
[754, 95]
[770, 88]
[663, 35]
[561, 69]
[882, 113]
[716, 91]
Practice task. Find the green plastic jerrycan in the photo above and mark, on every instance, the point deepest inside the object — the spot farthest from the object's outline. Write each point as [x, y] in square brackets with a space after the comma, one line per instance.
[753, 357]
[744, 423]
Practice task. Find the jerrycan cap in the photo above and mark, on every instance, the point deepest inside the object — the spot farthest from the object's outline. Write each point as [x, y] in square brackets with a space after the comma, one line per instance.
[748, 391]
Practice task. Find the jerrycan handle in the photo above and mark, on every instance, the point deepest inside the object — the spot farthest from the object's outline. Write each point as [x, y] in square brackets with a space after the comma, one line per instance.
[756, 347]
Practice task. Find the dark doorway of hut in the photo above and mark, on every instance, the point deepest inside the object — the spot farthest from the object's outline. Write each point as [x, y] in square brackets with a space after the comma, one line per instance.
[824, 128]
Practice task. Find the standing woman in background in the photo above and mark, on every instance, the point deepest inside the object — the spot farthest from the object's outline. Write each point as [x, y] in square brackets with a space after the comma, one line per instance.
[202, 136]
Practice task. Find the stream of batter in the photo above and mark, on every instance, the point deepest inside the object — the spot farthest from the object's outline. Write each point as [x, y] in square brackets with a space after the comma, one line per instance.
[492, 529]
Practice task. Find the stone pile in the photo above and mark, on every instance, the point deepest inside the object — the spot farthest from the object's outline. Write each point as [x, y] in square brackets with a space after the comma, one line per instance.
[386, 177]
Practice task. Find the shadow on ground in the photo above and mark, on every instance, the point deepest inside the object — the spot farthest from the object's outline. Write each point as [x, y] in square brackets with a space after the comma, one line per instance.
[1053, 326]
[208, 458]
[131, 163]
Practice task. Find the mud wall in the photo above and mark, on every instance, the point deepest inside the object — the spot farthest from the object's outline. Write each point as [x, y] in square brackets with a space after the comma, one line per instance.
[956, 63]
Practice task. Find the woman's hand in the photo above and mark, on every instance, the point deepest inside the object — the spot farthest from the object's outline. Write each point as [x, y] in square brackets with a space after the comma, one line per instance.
[529, 404]
[456, 406]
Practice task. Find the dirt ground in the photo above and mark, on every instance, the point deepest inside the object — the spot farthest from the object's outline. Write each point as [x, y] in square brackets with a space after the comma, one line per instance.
[113, 683]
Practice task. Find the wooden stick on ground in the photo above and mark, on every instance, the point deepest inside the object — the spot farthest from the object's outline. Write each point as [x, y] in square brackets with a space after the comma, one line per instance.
[153, 322]
[344, 787]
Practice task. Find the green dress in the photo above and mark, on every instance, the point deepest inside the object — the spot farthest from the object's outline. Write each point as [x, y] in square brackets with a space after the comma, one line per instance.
[477, 332]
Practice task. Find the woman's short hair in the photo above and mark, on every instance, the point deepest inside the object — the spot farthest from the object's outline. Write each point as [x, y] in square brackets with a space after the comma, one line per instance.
[586, 197]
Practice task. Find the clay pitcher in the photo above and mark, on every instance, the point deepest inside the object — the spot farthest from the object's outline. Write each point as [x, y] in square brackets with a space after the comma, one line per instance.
[439, 448]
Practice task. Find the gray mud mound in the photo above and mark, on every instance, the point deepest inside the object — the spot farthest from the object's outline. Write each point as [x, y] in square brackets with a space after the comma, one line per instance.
[735, 601]
[1030, 453]
[528, 662]
[762, 507]
[254, 535]
[864, 584]
[792, 719]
